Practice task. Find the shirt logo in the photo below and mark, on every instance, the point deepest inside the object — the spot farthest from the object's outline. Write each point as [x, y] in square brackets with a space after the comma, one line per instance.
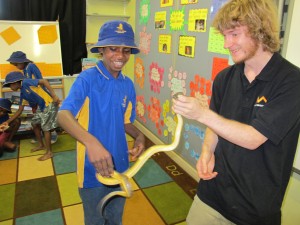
[260, 101]
[124, 102]
[120, 29]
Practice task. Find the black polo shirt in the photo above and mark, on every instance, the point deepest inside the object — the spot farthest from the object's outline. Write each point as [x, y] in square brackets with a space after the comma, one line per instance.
[250, 186]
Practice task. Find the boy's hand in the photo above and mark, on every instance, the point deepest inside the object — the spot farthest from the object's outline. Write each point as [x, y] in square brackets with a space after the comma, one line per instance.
[3, 127]
[56, 100]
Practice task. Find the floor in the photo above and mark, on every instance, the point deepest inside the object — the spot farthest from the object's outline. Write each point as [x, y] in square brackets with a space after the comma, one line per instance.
[34, 192]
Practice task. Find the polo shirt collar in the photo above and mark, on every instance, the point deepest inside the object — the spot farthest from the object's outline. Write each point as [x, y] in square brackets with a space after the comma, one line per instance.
[105, 73]
[267, 74]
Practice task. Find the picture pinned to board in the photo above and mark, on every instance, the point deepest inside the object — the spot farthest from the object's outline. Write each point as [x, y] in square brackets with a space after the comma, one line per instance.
[164, 43]
[160, 20]
[186, 2]
[166, 3]
[187, 46]
[197, 20]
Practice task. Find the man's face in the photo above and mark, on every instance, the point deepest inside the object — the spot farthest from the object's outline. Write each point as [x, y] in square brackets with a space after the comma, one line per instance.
[115, 58]
[240, 44]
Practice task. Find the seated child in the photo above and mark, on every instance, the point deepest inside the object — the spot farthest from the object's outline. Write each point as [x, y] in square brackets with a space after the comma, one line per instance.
[7, 131]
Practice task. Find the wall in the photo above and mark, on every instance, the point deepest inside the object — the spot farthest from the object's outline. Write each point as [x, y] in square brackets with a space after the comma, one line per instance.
[291, 47]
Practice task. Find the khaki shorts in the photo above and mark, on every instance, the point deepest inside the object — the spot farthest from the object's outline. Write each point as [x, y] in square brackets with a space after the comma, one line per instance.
[202, 214]
[47, 119]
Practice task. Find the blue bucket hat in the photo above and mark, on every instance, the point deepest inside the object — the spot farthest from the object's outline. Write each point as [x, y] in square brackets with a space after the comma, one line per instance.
[18, 57]
[13, 77]
[116, 33]
[5, 104]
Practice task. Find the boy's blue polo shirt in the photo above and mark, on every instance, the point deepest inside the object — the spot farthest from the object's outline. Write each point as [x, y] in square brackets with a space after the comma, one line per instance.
[34, 94]
[32, 72]
[101, 104]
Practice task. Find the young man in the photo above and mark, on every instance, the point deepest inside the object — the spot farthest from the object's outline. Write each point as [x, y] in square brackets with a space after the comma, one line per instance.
[7, 131]
[36, 92]
[98, 111]
[252, 124]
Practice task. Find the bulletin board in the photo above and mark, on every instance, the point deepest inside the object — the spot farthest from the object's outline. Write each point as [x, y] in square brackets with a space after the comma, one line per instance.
[179, 53]
[39, 40]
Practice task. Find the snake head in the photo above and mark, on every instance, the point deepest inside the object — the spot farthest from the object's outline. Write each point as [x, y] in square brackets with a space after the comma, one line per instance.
[175, 96]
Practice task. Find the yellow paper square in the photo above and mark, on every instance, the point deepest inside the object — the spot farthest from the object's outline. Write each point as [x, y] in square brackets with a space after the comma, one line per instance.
[10, 35]
[47, 34]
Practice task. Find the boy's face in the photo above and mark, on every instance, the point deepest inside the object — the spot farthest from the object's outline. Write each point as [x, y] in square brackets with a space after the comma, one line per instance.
[14, 86]
[3, 112]
[115, 58]
[20, 66]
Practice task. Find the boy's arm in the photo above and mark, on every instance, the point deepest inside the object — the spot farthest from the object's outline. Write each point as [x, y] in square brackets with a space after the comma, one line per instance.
[139, 143]
[97, 154]
[16, 115]
[45, 83]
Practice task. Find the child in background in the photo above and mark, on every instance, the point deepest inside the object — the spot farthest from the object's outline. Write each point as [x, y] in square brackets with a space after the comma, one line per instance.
[7, 131]
[31, 71]
[40, 93]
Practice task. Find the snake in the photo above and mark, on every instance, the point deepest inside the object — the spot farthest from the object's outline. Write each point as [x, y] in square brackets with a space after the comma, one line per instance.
[122, 179]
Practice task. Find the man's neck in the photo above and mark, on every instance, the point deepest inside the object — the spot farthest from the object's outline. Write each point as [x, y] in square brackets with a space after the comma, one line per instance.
[255, 65]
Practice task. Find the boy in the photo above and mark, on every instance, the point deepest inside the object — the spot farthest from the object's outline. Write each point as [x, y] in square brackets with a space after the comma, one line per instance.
[37, 92]
[31, 71]
[7, 130]
[103, 101]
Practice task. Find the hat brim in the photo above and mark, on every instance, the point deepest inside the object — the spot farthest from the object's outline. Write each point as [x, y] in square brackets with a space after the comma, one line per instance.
[12, 60]
[115, 42]
[6, 84]
[8, 110]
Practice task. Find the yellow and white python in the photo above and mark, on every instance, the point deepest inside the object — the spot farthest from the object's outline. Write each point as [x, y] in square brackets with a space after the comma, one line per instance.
[123, 178]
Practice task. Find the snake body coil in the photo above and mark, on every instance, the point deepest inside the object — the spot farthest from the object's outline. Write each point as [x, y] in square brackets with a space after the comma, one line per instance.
[123, 178]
